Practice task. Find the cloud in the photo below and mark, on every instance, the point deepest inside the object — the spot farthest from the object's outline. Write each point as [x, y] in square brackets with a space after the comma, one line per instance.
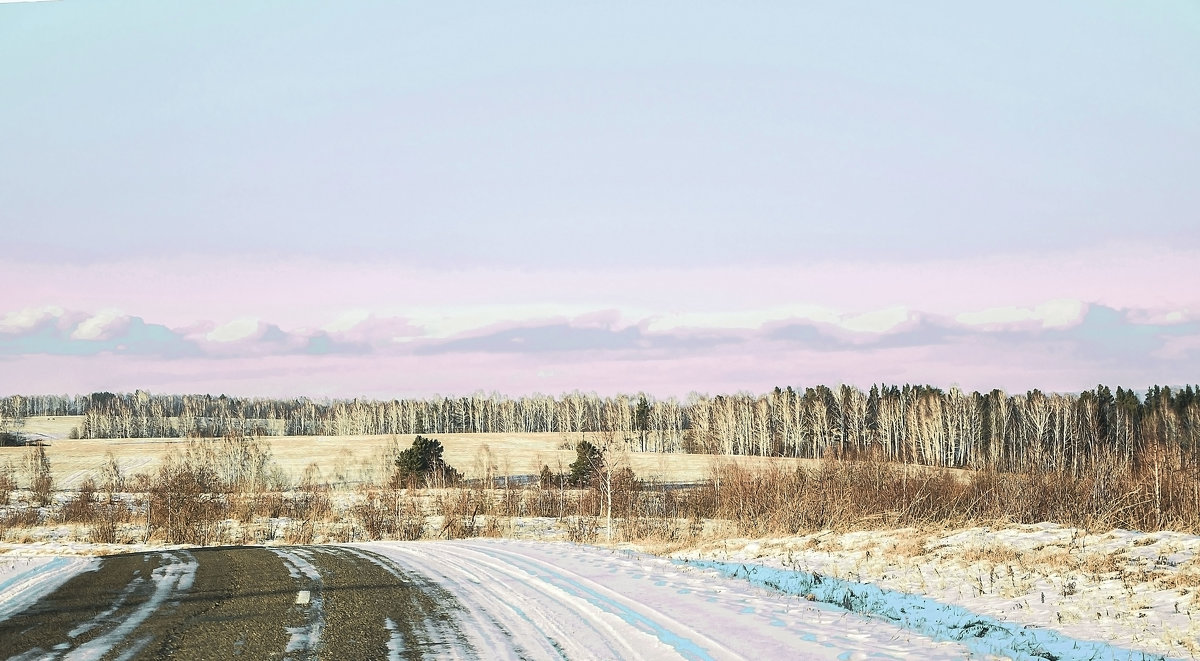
[140, 338]
[752, 319]
[877, 321]
[567, 337]
[1106, 333]
[98, 326]
[1046, 345]
[1168, 317]
[805, 335]
[347, 320]
[1051, 314]
[543, 339]
[238, 329]
[323, 344]
[102, 333]
[23, 320]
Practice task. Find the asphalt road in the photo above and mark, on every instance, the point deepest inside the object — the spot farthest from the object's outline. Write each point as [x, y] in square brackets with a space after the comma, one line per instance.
[253, 603]
[500, 600]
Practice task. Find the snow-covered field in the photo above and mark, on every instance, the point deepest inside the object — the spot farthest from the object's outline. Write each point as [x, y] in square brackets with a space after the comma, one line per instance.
[1117, 594]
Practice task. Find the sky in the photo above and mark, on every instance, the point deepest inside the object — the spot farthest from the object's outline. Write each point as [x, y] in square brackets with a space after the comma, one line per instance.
[394, 199]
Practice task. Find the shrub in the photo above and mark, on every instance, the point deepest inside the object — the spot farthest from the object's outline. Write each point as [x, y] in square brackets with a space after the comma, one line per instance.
[183, 503]
[81, 508]
[41, 483]
[8, 483]
[388, 515]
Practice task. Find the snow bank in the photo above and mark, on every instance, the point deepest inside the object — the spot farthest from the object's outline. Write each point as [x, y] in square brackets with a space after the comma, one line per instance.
[1121, 594]
[981, 634]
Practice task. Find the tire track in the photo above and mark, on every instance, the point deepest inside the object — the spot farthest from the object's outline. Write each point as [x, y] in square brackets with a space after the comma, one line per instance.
[472, 623]
[684, 639]
[72, 623]
[539, 619]
[241, 605]
[304, 638]
[374, 613]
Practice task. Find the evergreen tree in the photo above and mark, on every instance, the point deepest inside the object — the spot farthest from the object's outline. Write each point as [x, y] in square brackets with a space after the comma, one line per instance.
[641, 420]
[422, 462]
[589, 461]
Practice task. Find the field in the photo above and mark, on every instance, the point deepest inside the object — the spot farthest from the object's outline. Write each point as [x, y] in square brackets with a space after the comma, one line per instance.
[347, 461]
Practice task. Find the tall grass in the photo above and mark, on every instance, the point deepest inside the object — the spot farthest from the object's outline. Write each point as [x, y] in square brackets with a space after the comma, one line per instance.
[865, 492]
[231, 491]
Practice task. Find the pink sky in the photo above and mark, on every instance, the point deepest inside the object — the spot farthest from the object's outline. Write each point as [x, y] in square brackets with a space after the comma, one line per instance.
[1060, 321]
[340, 199]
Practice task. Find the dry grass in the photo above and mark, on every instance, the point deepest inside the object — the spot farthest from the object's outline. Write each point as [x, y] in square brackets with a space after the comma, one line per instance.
[995, 554]
[1102, 565]
[352, 461]
[912, 545]
[193, 488]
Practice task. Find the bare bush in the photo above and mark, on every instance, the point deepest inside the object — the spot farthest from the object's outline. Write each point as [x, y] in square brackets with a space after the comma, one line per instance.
[867, 492]
[311, 502]
[8, 483]
[106, 522]
[460, 509]
[81, 508]
[389, 515]
[37, 469]
[184, 503]
[582, 529]
[111, 476]
[20, 517]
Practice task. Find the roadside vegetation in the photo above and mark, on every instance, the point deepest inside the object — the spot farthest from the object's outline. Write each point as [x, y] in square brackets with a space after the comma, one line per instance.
[231, 490]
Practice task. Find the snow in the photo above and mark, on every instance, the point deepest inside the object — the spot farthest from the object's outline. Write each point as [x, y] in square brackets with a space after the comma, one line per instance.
[540, 600]
[1011, 590]
[25, 579]
[304, 639]
[981, 634]
[174, 574]
[395, 644]
[1120, 594]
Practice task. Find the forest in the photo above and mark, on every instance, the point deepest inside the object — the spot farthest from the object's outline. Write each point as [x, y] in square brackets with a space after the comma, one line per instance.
[912, 424]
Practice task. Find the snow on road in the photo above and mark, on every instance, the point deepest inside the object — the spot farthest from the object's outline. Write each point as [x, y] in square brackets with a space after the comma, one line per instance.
[558, 600]
[25, 579]
[518, 599]
[304, 639]
[173, 576]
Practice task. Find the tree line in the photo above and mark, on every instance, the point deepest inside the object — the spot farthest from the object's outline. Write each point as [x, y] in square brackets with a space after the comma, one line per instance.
[917, 424]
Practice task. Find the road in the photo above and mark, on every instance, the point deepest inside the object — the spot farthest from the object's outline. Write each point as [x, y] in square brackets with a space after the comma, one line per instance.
[476, 599]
